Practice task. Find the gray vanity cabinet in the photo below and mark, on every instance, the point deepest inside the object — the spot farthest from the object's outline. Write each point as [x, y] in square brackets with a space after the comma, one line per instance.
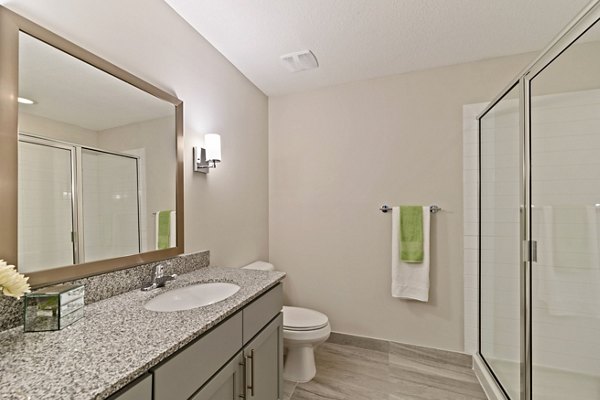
[241, 358]
[140, 389]
[264, 363]
[183, 374]
[254, 373]
[228, 384]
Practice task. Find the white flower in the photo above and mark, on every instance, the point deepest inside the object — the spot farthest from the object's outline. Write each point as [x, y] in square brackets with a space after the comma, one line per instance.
[12, 283]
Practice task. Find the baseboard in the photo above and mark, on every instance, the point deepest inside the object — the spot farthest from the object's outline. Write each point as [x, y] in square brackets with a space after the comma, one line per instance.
[384, 346]
[359, 341]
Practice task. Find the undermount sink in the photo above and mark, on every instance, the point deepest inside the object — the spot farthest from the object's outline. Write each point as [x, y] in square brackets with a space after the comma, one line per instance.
[193, 296]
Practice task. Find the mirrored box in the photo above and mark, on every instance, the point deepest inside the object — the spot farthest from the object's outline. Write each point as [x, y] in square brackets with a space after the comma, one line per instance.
[53, 308]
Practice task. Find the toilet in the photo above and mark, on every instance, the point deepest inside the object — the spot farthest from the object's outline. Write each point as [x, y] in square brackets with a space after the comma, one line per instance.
[303, 330]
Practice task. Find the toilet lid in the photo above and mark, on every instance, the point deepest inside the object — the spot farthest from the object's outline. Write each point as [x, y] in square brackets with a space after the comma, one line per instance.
[303, 319]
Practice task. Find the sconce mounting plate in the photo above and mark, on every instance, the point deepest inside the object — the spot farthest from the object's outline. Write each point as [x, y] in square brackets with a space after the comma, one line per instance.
[200, 163]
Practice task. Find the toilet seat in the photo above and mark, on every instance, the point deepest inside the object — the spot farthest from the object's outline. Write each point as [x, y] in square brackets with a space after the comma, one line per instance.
[303, 319]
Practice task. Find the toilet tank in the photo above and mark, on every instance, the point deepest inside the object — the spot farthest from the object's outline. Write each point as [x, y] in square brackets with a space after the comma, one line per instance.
[260, 265]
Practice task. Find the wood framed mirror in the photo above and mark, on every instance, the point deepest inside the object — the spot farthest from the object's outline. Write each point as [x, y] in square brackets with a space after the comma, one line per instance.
[91, 160]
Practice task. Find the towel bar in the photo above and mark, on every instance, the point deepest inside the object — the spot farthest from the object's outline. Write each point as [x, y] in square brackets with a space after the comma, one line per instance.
[433, 209]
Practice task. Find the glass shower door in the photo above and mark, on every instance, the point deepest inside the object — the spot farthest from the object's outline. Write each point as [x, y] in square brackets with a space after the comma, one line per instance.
[46, 216]
[110, 205]
[499, 263]
[565, 223]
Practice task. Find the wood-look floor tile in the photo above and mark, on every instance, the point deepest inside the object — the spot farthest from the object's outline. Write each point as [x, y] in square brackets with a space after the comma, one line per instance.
[426, 367]
[288, 389]
[350, 364]
[407, 381]
[404, 373]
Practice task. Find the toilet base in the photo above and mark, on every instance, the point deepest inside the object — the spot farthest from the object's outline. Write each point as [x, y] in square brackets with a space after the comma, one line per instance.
[299, 364]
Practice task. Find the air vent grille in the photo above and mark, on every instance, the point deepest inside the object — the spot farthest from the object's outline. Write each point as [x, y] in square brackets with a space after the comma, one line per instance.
[299, 61]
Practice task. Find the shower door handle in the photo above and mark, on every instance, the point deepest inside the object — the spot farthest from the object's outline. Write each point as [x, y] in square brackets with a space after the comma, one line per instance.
[530, 251]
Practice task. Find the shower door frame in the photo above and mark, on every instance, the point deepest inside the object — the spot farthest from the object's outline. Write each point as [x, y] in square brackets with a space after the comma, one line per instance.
[41, 141]
[587, 18]
[77, 186]
[80, 149]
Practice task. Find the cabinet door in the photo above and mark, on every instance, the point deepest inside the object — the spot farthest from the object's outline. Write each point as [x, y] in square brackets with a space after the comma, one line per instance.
[264, 362]
[182, 375]
[226, 384]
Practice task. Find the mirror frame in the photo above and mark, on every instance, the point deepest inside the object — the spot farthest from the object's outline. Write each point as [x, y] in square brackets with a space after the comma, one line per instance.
[10, 26]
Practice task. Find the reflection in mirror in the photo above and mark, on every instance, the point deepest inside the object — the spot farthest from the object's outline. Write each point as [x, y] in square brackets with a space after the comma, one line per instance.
[97, 163]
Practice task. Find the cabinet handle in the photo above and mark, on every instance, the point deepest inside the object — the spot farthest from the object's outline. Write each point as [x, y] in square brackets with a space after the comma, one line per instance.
[243, 364]
[251, 386]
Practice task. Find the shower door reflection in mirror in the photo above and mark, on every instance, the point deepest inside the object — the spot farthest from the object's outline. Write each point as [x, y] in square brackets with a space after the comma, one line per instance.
[46, 219]
[97, 163]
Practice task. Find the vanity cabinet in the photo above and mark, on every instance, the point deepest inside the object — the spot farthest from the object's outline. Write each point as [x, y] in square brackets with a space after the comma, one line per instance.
[264, 363]
[228, 384]
[182, 375]
[241, 358]
[254, 373]
[140, 389]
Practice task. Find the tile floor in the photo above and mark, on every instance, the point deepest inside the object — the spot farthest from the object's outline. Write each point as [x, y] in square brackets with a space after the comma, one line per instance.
[346, 372]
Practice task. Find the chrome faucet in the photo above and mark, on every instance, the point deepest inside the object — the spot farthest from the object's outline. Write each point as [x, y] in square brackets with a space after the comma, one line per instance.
[159, 279]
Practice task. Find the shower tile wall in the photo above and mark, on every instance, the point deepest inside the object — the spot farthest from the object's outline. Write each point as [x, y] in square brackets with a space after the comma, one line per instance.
[45, 216]
[110, 206]
[565, 192]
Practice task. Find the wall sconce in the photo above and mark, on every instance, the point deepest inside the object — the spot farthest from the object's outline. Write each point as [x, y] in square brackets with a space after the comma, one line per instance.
[207, 157]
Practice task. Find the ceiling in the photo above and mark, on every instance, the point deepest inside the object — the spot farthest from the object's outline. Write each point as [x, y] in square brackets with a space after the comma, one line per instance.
[361, 39]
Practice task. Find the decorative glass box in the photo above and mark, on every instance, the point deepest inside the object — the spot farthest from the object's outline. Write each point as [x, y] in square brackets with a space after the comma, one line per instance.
[53, 308]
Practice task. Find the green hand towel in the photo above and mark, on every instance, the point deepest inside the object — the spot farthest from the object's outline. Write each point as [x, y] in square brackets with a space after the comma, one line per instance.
[164, 229]
[411, 234]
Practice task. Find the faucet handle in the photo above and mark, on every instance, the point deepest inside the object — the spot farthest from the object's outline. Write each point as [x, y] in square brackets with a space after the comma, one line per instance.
[159, 271]
[158, 278]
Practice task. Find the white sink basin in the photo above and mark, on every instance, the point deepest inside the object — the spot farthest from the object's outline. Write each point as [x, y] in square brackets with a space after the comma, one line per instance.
[193, 296]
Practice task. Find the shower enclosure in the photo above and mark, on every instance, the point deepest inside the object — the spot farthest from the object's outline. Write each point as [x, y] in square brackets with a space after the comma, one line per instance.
[539, 224]
[76, 204]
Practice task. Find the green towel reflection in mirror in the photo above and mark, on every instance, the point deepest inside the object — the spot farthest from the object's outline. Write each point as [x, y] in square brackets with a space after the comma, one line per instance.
[164, 229]
[411, 234]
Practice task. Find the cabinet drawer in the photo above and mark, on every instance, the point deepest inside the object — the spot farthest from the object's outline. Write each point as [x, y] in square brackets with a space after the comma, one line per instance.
[183, 374]
[258, 313]
[140, 389]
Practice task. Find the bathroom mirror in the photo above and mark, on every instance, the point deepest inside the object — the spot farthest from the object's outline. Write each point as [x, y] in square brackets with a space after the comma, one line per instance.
[91, 160]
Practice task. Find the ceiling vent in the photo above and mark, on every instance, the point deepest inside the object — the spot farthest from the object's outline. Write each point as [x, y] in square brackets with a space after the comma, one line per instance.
[300, 61]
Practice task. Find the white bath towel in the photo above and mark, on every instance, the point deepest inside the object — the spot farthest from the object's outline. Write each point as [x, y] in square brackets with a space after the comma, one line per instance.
[410, 280]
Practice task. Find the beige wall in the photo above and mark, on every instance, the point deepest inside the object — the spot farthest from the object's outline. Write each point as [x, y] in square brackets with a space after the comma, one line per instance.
[154, 142]
[226, 211]
[50, 128]
[337, 155]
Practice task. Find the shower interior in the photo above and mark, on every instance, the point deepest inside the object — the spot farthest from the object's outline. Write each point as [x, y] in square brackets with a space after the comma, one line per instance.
[539, 224]
[56, 179]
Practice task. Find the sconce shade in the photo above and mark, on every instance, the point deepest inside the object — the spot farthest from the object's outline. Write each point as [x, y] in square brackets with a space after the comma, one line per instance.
[212, 142]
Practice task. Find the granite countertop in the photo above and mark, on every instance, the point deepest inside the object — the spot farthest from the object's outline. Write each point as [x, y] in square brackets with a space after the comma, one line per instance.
[117, 340]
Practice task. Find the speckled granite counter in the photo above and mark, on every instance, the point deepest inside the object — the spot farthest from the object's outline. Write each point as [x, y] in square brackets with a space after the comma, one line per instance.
[117, 340]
